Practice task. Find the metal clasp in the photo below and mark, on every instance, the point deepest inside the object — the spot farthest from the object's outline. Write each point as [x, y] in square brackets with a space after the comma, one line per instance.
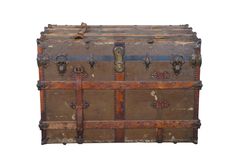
[61, 61]
[177, 63]
[43, 60]
[196, 60]
[147, 61]
[118, 52]
[92, 61]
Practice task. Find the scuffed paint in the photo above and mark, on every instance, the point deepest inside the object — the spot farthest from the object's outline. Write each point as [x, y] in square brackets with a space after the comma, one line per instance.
[73, 117]
[190, 109]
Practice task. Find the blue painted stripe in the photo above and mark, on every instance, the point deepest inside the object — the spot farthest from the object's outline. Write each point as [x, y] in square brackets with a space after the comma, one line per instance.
[127, 58]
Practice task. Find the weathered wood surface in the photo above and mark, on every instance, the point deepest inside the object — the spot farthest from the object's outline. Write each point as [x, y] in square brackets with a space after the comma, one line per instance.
[127, 124]
[121, 85]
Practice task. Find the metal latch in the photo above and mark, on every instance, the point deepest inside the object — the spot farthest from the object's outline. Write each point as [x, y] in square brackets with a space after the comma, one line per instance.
[61, 61]
[177, 63]
[196, 60]
[43, 60]
[119, 51]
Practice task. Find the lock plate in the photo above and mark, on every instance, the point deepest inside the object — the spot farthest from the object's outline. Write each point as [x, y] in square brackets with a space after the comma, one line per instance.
[119, 51]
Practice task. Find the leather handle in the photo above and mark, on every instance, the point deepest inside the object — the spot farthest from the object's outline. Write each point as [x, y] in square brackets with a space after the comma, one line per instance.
[80, 34]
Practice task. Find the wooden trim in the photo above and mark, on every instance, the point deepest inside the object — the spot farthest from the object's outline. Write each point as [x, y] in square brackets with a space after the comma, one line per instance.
[154, 35]
[76, 27]
[125, 124]
[41, 78]
[44, 138]
[196, 96]
[119, 107]
[94, 85]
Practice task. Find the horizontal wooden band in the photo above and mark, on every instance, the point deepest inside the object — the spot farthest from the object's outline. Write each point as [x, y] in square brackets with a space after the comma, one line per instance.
[94, 85]
[127, 124]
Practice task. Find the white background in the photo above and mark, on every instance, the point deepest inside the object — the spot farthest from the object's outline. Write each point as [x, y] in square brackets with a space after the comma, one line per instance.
[21, 22]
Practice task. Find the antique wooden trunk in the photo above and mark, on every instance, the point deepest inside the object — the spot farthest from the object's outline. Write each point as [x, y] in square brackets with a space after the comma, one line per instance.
[119, 83]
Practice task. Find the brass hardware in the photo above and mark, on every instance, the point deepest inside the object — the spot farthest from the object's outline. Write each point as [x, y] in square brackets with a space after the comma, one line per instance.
[43, 60]
[72, 105]
[197, 124]
[61, 61]
[92, 61]
[80, 70]
[118, 52]
[43, 125]
[147, 61]
[198, 85]
[198, 43]
[40, 85]
[177, 63]
[196, 60]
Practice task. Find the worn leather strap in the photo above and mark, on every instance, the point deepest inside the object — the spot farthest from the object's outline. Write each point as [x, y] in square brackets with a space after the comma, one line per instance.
[80, 34]
[79, 109]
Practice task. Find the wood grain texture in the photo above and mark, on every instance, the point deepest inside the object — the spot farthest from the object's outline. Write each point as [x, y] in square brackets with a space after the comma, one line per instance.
[122, 84]
[196, 96]
[119, 107]
[127, 124]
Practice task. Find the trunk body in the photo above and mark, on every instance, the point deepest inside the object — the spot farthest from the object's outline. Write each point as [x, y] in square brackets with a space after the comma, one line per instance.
[119, 84]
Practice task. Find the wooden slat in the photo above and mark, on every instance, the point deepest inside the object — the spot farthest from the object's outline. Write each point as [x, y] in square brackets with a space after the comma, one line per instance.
[120, 26]
[196, 96]
[42, 98]
[119, 107]
[79, 109]
[123, 30]
[153, 35]
[94, 85]
[126, 124]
